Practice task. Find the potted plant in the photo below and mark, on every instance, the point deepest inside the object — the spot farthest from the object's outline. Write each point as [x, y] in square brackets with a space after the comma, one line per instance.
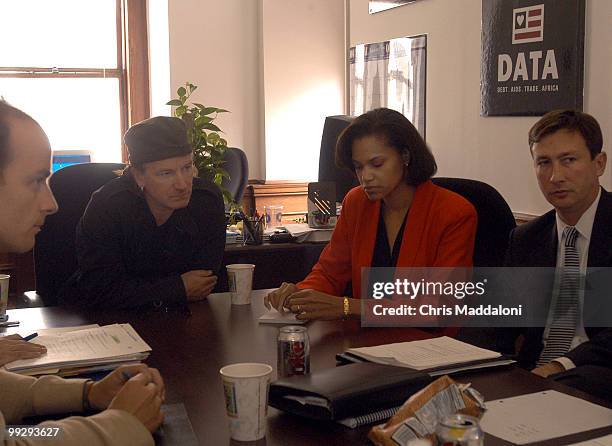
[204, 136]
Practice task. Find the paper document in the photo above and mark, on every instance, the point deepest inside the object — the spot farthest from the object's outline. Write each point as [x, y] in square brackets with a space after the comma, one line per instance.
[308, 400]
[601, 441]
[111, 343]
[425, 354]
[542, 416]
[304, 233]
[274, 317]
[56, 330]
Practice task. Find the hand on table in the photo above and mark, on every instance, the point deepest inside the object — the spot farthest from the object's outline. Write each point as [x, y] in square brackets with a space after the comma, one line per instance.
[548, 369]
[12, 348]
[278, 298]
[141, 395]
[311, 305]
[102, 392]
[198, 284]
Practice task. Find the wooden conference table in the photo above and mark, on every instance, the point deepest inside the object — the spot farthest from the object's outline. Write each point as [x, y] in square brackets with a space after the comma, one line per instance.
[190, 349]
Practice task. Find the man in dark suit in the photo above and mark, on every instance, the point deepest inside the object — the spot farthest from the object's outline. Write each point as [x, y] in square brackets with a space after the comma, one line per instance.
[566, 147]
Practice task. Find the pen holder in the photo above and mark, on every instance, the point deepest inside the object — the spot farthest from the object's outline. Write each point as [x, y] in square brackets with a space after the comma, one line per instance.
[252, 230]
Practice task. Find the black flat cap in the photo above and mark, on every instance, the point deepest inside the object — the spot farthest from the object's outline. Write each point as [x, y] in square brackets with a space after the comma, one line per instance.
[156, 139]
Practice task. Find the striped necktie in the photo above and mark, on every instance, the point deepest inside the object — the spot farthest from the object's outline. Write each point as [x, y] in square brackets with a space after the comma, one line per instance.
[565, 313]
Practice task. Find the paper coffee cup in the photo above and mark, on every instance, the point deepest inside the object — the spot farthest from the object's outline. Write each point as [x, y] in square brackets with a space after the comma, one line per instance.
[240, 277]
[246, 399]
[4, 292]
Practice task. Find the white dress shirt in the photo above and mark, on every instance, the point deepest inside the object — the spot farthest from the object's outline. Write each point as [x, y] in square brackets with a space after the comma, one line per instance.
[584, 228]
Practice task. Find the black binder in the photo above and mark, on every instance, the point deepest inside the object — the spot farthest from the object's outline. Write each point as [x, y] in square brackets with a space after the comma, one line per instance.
[347, 391]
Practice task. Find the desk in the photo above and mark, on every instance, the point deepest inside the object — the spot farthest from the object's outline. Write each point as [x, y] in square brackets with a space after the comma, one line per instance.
[190, 350]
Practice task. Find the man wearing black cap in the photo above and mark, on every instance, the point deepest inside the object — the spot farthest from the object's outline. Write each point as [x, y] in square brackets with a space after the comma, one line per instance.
[154, 236]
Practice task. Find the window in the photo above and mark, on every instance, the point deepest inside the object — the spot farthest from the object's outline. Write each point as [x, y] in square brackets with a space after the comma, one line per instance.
[65, 63]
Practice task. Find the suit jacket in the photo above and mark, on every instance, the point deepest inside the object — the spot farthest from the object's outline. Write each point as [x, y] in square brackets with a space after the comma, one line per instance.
[535, 244]
[440, 231]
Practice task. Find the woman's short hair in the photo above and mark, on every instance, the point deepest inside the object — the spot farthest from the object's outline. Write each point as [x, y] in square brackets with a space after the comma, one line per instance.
[570, 120]
[398, 132]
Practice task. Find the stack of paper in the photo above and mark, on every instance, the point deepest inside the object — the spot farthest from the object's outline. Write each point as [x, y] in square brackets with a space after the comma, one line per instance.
[543, 416]
[425, 354]
[274, 317]
[303, 233]
[97, 348]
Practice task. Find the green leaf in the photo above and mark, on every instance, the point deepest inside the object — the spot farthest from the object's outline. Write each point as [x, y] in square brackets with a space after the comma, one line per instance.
[174, 102]
[199, 122]
[209, 110]
[180, 111]
[181, 91]
[191, 87]
[211, 126]
[227, 196]
[198, 105]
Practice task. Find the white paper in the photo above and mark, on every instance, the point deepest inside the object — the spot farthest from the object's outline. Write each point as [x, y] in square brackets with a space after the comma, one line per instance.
[274, 317]
[56, 330]
[601, 441]
[425, 354]
[309, 400]
[102, 344]
[542, 416]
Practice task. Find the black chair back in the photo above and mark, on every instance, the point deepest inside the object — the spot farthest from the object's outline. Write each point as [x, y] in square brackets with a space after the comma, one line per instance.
[237, 166]
[495, 219]
[55, 253]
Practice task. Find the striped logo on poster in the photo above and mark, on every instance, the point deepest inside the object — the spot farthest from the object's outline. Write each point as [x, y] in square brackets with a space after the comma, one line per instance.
[528, 24]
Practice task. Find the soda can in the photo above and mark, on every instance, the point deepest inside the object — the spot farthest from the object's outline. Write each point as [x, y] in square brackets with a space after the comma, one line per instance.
[459, 430]
[293, 351]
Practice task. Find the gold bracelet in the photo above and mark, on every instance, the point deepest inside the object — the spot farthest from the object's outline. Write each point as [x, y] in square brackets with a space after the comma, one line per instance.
[345, 307]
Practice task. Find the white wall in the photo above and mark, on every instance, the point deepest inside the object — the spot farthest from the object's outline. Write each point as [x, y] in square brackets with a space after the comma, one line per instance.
[215, 45]
[492, 149]
[303, 77]
[159, 57]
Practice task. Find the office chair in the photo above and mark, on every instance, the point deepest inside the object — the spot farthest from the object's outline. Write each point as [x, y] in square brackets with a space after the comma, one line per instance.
[55, 252]
[495, 219]
[237, 166]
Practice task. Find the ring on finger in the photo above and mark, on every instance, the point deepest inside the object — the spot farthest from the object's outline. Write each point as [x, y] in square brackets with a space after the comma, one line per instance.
[299, 310]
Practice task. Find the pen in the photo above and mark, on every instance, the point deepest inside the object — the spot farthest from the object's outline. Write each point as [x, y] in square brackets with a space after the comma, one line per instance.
[9, 324]
[30, 337]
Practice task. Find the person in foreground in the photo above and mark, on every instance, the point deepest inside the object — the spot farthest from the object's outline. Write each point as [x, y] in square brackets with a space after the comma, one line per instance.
[566, 147]
[396, 217]
[154, 236]
[130, 397]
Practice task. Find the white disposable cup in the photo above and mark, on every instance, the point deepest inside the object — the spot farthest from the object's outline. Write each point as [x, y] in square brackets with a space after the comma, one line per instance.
[246, 399]
[4, 292]
[240, 278]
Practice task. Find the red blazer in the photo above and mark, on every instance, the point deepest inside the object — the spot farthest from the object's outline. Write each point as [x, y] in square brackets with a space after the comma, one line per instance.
[440, 231]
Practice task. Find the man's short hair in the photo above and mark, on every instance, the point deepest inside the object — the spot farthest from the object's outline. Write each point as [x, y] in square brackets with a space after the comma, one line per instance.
[7, 112]
[570, 120]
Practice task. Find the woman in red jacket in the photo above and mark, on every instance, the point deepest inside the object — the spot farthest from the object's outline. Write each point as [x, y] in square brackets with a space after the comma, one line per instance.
[396, 218]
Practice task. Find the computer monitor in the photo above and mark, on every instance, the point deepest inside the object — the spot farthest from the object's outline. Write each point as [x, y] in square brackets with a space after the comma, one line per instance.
[328, 171]
[63, 158]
